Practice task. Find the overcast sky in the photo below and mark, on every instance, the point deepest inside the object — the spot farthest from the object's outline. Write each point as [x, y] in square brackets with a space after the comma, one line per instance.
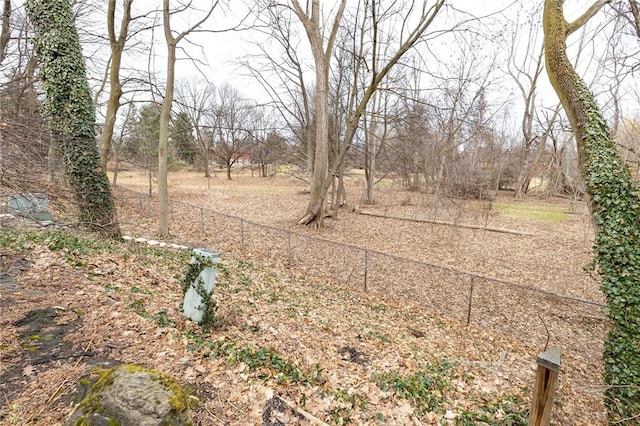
[218, 54]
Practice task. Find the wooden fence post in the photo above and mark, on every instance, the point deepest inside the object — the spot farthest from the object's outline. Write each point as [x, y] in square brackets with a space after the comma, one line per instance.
[545, 387]
[473, 279]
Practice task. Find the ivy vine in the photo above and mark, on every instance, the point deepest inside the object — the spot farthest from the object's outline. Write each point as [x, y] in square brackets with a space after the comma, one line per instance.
[71, 111]
[616, 212]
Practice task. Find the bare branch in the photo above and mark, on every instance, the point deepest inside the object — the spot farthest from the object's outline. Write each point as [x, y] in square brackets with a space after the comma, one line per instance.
[590, 13]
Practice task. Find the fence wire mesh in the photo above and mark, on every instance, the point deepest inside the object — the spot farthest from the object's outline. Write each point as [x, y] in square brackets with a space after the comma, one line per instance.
[525, 313]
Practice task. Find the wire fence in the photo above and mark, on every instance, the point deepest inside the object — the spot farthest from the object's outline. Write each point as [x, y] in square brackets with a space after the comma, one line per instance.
[522, 312]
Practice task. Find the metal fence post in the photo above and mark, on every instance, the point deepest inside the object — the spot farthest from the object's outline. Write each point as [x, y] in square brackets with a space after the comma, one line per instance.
[148, 206]
[473, 277]
[366, 268]
[241, 232]
[201, 220]
[289, 248]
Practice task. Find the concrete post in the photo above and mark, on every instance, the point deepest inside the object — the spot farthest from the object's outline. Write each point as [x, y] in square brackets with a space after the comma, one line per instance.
[197, 297]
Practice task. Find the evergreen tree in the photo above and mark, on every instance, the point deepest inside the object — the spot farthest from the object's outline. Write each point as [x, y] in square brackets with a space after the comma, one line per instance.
[182, 139]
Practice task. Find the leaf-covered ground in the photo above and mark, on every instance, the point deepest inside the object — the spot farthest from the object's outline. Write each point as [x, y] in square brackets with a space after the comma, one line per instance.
[282, 338]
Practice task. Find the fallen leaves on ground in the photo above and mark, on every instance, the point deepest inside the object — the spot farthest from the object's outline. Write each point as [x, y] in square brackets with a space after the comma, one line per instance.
[319, 344]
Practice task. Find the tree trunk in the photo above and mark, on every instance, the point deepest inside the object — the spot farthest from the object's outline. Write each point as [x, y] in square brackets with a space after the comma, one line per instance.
[314, 214]
[163, 144]
[115, 87]
[370, 177]
[370, 151]
[615, 208]
[342, 192]
[6, 29]
[109, 123]
[150, 182]
[114, 181]
[53, 160]
[165, 113]
[315, 210]
[228, 171]
[62, 72]
[523, 180]
[5, 33]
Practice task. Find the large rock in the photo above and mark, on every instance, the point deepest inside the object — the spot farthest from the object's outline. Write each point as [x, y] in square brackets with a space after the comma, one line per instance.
[129, 395]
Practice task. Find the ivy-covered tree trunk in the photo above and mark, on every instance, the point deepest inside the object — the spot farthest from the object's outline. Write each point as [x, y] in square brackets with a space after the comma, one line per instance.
[68, 102]
[615, 207]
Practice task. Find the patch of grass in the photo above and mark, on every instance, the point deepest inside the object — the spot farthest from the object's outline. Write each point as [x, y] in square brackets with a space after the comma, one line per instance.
[348, 403]
[137, 306]
[136, 289]
[108, 287]
[10, 239]
[384, 183]
[197, 341]
[274, 297]
[510, 410]
[528, 211]
[245, 281]
[245, 265]
[376, 334]
[162, 318]
[379, 307]
[71, 245]
[425, 389]
[267, 361]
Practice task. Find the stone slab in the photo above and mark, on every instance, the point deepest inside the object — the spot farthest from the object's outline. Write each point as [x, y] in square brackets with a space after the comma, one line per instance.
[31, 206]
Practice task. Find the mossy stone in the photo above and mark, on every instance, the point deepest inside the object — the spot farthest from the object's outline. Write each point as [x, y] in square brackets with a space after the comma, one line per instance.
[129, 395]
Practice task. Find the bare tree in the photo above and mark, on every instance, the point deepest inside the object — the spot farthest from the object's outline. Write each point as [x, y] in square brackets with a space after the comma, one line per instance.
[117, 43]
[322, 60]
[377, 126]
[5, 33]
[269, 149]
[24, 134]
[280, 70]
[426, 13]
[525, 65]
[197, 100]
[233, 127]
[118, 142]
[140, 144]
[165, 114]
